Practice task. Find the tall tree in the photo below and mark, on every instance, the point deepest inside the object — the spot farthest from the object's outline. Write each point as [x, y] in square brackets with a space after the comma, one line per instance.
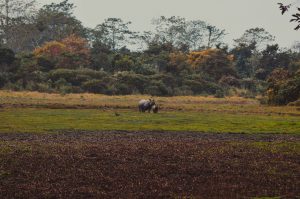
[259, 36]
[113, 32]
[243, 54]
[194, 34]
[72, 52]
[168, 30]
[16, 28]
[214, 35]
[56, 21]
[213, 62]
[272, 58]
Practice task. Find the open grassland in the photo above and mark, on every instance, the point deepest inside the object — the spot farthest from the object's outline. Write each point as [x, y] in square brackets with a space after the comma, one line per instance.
[74, 146]
[234, 105]
[39, 112]
[34, 120]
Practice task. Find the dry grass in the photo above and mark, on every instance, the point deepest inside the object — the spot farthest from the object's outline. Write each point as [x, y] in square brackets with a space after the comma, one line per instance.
[184, 103]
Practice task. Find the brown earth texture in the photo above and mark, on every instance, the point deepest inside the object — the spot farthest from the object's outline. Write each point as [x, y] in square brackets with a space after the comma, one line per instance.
[148, 165]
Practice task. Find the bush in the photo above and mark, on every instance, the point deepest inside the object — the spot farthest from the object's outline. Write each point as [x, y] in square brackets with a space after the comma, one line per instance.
[247, 94]
[183, 91]
[44, 87]
[158, 88]
[4, 78]
[7, 56]
[261, 74]
[134, 82]
[229, 81]
[76, 77]
[46, 64]
[220, 94]
[123, 89]
[296, 103]
[248, 84]
[95, 86]
[145, 69]
[282, 88]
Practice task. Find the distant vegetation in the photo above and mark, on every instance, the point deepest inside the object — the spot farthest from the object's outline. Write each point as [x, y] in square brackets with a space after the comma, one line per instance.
[49, 50]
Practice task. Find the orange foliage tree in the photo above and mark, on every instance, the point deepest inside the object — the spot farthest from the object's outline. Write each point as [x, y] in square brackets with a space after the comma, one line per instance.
[177, 62]
[72, 52]
[213, 62]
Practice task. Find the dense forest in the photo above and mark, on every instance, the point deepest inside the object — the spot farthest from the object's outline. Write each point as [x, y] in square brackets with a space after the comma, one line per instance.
[49, 50]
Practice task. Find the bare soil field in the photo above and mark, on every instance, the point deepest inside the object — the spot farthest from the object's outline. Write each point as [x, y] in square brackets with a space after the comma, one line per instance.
[123, 164]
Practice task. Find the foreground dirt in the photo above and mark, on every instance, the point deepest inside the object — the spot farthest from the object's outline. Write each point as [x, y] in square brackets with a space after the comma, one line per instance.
[147, 165]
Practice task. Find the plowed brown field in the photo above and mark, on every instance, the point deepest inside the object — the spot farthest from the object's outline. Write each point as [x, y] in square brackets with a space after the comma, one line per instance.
[148, 165]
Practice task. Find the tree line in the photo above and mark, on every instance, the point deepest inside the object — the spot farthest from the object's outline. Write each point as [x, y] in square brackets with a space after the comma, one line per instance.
[49, 50]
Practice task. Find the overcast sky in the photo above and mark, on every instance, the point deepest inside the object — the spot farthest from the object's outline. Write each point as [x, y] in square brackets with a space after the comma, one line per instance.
[235, 16]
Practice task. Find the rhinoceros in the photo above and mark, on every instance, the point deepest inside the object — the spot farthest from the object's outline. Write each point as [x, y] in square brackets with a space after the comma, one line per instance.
[155, 108]
[146, 105]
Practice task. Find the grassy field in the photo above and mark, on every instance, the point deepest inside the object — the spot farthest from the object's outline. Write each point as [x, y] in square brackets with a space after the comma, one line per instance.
[37, 112]
[74, 146]
[34, 120]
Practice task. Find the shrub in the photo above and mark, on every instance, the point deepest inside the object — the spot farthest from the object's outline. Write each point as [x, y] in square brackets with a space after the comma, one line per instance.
[123, 89]
[45, 63]
[248, 84]
[283, 89]
[261, 74]
[145, 69]
[7, 56]
[134, 82]
[76, 77]
[183, 91]
[229, 81]
[4, 78]
[95, 86]
[158, 88]
[220, 93]
[296, 103]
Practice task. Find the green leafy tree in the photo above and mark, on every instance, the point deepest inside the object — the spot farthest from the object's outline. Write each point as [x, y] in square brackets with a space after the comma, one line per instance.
[7, 65]
[7, 57]
[123, 63]
[101, 57]
[273, 58]
[242, 59]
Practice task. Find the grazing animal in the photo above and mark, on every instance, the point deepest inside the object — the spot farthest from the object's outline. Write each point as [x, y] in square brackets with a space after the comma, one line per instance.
[146, 105]
[155, 108]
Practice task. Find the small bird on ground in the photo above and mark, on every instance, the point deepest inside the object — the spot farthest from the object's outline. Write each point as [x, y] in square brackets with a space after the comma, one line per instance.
[117, 114]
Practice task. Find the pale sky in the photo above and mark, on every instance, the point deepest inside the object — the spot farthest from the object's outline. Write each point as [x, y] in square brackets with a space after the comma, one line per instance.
[235, 16]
